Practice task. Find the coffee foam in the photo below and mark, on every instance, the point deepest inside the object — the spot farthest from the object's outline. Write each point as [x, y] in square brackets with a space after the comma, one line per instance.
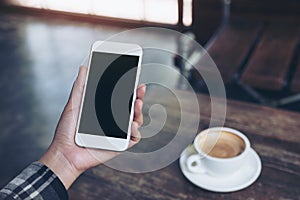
[221, 144]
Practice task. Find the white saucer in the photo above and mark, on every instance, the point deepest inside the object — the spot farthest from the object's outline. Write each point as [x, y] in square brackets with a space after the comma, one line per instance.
[240, 180]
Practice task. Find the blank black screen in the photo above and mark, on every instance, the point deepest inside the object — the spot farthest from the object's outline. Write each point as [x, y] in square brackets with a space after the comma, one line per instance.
[97, 117]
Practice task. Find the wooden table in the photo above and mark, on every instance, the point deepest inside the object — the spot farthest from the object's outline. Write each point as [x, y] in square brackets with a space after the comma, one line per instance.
[274, 134]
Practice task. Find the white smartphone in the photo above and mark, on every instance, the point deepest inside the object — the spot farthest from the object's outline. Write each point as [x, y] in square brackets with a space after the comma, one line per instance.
[107, 106]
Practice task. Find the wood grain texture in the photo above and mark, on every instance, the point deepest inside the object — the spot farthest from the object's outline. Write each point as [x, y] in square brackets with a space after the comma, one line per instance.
[274, 134]
[270, 62]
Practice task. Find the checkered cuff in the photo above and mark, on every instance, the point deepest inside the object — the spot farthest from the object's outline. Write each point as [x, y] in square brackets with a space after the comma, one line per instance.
[37, 181]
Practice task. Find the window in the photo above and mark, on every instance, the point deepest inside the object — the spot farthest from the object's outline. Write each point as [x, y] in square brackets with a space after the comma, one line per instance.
[187, 12]
[160, 11]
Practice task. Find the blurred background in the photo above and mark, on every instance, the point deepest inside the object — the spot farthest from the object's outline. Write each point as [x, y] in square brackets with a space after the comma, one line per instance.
[43, 42]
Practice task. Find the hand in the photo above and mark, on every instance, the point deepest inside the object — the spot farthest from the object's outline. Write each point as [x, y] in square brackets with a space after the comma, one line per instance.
[64, 157]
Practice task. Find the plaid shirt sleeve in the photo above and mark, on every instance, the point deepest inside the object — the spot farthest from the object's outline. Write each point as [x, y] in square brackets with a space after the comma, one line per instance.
[37, 182]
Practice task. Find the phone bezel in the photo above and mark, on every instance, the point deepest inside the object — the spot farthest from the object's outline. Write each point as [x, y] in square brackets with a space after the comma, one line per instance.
[104, 142]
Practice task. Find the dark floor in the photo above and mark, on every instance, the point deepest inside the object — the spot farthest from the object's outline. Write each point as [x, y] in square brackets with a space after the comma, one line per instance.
[39, 61]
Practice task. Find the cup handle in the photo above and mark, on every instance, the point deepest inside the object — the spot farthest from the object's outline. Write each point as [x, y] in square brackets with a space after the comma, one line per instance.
[194, 164]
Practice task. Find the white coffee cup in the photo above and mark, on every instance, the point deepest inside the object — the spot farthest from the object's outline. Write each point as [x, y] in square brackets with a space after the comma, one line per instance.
[220, 152]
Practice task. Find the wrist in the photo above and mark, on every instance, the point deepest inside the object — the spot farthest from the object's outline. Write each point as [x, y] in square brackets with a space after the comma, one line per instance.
[60, 165]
